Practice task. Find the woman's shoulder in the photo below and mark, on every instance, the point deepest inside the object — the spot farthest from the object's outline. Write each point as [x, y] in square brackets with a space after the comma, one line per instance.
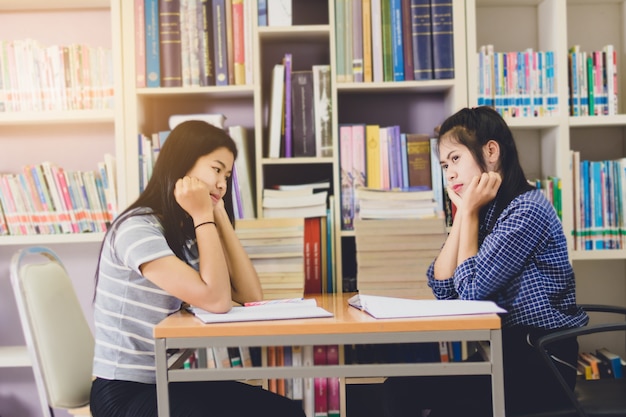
[532, 201]
[138, 217]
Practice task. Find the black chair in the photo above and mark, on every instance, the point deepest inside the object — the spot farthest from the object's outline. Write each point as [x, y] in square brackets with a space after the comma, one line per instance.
[591, 398]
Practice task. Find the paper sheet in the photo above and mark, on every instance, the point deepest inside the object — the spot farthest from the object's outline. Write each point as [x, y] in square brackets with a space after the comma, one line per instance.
[391, 307]
[270, 311]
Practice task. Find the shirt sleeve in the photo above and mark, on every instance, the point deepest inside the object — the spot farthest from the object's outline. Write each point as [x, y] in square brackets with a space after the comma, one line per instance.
[520, 232]
[140, 239]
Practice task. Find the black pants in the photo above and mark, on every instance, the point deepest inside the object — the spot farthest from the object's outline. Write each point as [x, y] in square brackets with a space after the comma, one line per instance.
[528, 384]
[189, 399]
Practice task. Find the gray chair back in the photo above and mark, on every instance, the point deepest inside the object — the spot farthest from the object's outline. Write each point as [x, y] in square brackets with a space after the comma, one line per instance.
[57, 335]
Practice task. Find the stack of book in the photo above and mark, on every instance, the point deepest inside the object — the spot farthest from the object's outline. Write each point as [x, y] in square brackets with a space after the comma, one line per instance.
[276, 249]
[296, 202]
[371, 203]
[393, 255]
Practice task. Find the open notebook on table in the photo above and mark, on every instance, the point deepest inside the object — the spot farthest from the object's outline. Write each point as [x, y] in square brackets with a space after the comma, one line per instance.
[271, 310]
[391, 307]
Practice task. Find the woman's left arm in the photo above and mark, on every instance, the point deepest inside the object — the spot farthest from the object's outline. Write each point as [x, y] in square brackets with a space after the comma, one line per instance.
[521, 231]
[244, 279]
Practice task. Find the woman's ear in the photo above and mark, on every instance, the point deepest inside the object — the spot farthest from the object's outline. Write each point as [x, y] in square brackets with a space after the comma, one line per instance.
[492, 154]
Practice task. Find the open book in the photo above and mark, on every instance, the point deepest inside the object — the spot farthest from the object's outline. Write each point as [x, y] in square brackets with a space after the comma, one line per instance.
[391, 307]
[274, 310]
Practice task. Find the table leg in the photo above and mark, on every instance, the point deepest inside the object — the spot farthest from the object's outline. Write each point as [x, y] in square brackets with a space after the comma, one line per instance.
[497, 373]
[162, 387]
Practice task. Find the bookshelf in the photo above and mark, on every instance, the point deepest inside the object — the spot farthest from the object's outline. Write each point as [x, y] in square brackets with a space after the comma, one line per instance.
[544, 143]
[417, 106]
[74, 140]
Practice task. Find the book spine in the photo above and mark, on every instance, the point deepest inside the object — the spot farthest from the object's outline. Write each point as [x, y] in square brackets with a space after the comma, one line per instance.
[276, 110]
[288, 113]
[312, 272]
[377, 41]
[397, 49]
[346, 180]
[442, 39]
[387, 40]
[230, 43]
[262, 13]
[140, 44]
[321, 383]
[367, 40]
[357, 41]
[153, 53]
[170, 43]
[332, 358]
[407, 40]
[372, 136]
[208, 50]
[303, 114]
[308, 401]
[419, 160]
[238, 43]
[322, 110]
[340, 34]
[219, 42]
[421, 39]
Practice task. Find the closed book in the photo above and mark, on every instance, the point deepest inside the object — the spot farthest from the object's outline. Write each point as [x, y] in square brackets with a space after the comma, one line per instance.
[422, 39]
[418, 160]
[340, 40]
[243, 165]
[207, 70]
[287, 125]
[334, 404]
[387, 40]
[443, 39]
[170, 43]
[140, 44]
[303, 114]
[367, 40]
[346, 176]
[377, 41]
[407, 40]
[230, 41]
[219, 42]
[312, 260]
[276, 110]
[397, 49]
[372, 138]
[153, 54]
[323, 110]
[279, 12]
[357, 40]
[614, 360]
[320, 383]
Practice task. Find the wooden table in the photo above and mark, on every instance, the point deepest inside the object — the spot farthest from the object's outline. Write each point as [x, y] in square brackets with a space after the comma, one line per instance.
[348, 326]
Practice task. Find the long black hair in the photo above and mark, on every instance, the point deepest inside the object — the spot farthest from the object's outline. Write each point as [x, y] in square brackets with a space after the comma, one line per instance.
[475, 127]
[185, 144]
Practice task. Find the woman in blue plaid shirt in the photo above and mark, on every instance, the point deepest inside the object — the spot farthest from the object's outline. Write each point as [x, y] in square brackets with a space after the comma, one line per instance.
[507, 245]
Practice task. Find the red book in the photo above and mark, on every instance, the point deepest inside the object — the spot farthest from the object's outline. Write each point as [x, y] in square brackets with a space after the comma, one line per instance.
[312, 256]
[332, 358]
[320, 383]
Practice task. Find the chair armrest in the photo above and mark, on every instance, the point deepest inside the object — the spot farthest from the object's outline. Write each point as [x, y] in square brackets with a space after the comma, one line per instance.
[603, 308]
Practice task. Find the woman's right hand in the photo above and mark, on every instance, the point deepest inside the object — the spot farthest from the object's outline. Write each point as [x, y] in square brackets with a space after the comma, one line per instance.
[194, 197]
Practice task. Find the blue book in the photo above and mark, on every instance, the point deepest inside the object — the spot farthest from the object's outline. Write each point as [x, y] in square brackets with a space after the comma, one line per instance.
[597, 186]
[404, 158]
[397, 49]
[422, 40]
[153, 53]
[262, 5]
[219, 42]
[443, 39]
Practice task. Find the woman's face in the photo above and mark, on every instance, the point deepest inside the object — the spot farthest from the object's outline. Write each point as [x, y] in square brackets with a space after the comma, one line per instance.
[214, 169]
[458, 164]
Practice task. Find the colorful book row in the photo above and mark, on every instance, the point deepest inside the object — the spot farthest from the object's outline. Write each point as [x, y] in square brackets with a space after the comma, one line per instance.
[599, 206]
[46, 199]
[381, 157]
[35, 77]
[182, 43]
[517, 84]
[394, 40]
[300, 117]
[593, 82]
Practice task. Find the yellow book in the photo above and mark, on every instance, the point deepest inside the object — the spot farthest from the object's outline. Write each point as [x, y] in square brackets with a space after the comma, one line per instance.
[372, 137]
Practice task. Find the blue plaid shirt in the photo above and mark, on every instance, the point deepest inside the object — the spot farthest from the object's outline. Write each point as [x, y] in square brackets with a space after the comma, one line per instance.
[522, 264]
